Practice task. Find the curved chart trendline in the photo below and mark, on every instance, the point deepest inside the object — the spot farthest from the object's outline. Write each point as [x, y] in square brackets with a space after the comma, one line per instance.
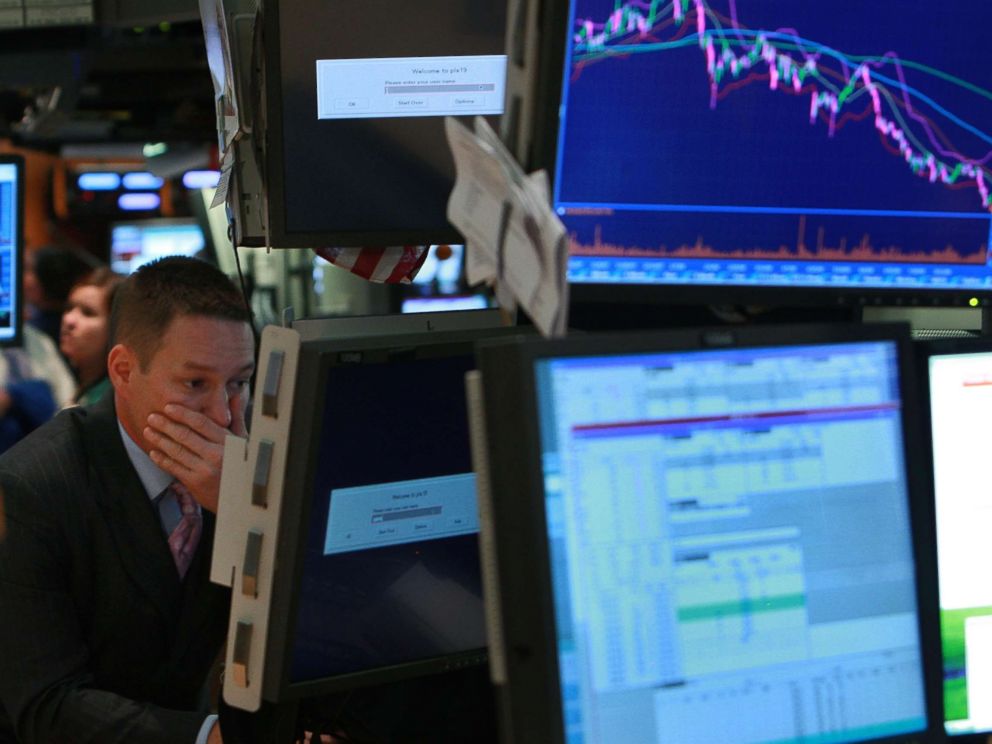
[736, 56]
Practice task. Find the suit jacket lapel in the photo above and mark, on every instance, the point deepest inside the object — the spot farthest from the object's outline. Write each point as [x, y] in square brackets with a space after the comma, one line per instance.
[129, 513]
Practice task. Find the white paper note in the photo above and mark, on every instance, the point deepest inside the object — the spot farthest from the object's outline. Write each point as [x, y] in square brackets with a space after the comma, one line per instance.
[515, 240]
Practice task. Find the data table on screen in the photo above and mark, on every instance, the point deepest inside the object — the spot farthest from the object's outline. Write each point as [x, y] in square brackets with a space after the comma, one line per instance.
[711, 518]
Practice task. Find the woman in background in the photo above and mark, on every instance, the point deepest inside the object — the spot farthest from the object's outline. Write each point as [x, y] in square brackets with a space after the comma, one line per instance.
[50, 272]
[85, 335]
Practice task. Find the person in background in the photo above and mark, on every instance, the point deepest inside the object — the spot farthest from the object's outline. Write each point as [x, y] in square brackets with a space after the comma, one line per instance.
[34, 379]
[26, 400]
[49, 274]
[47, 363]
[34, 383]
[85, 333]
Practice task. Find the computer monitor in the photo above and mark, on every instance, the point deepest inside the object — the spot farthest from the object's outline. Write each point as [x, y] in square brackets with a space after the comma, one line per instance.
[11, 247]
[133, 244]
[359, 326]
[713, 151]
[706, 536]
[356, 95]
[376, 572]
[958, 377]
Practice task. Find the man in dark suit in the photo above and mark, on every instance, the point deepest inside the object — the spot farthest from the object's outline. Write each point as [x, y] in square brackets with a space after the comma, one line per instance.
[108, 621]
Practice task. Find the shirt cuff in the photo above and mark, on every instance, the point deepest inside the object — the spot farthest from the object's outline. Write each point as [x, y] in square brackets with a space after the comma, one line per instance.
[208, 723]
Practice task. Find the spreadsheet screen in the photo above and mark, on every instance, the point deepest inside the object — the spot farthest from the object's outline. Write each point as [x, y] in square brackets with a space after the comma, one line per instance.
[731, 546]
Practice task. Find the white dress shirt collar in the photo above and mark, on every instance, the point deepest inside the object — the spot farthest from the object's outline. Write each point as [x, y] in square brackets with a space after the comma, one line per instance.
[153, 478]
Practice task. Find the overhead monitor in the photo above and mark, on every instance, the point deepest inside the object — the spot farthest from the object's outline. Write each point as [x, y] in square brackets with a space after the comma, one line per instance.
[133, 244]
[706, 537]
[958, 373]
[11, 247]
[96, 190]
[376, 573]
[774, 151]
[356, 95]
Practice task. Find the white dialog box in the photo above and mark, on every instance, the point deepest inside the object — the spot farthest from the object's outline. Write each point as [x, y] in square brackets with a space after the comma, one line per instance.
[410, 86]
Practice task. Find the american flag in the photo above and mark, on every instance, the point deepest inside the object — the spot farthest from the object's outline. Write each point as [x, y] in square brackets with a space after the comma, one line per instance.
[392, 265]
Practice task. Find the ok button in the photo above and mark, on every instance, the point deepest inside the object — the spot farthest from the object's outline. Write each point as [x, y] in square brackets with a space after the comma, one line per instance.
[351, 104]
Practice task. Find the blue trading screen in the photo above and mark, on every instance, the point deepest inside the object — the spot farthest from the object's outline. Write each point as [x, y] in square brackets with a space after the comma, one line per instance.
[777, 143]
[9, 230]
[730, 543]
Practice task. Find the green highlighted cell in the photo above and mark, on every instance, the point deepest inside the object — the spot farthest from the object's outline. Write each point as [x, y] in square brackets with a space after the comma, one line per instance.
[953, 643]
[742, 607]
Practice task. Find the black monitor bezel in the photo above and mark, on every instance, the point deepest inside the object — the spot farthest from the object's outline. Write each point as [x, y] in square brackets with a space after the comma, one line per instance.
[543, 155]
[317, 360]
[774, 296]
[529, 693]
[279, 235]
[17, 281]
[925, 350]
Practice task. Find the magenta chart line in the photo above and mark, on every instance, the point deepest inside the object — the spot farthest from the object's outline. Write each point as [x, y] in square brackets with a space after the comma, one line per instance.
[841, 88]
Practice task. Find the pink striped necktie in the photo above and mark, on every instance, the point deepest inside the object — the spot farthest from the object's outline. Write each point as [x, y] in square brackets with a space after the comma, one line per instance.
[186, 534]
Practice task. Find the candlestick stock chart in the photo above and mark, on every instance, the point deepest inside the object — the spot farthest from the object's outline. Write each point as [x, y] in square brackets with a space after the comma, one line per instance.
[829, 134]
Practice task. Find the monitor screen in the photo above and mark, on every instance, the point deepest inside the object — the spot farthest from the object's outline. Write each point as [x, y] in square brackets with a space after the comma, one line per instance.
[380, 576]
[444, 273]
[133, 244]
[727, 537]
[444, 303]
[356, 94]
[11, 246]
[391, 573]
[804, 152]
[960, 379]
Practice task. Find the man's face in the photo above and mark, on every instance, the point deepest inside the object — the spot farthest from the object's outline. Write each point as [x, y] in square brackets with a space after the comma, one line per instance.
[204, 364]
